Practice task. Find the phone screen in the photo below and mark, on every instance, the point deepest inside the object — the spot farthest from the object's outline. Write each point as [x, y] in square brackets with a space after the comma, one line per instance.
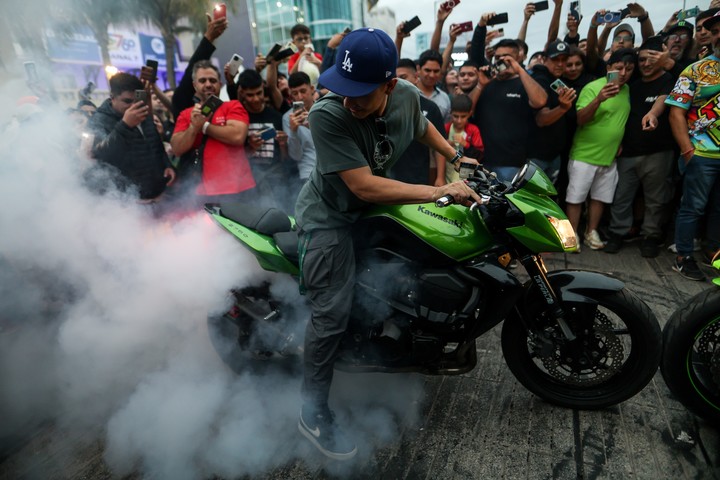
[613, 76]
[298, 106]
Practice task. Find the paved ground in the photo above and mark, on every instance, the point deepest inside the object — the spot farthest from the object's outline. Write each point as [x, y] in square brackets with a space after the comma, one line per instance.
[484, 425]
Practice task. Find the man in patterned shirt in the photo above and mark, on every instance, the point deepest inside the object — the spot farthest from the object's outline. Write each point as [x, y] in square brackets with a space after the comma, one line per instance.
[694, 106]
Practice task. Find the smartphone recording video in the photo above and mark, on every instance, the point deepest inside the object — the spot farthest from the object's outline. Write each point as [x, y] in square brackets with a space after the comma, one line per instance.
[210, 105]
[219, 11]
[498, 19]
[411, 24]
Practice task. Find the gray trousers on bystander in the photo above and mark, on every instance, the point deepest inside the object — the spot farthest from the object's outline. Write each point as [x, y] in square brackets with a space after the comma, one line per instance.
[653, 173]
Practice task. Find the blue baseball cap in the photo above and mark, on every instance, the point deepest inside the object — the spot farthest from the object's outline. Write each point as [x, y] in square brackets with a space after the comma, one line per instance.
[365, 59]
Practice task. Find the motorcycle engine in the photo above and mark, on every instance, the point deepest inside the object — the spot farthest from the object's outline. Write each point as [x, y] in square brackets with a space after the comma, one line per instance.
[389, 282]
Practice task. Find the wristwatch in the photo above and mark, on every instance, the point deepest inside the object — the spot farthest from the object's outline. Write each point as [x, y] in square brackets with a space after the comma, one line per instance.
[456, 158]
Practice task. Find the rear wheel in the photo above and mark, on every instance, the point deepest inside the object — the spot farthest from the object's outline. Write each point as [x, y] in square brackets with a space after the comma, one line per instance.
[691, 355]
[616, 352]
[252, 335]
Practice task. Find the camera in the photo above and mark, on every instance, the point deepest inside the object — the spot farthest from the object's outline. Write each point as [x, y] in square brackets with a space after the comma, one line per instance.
[609, 17]
[500, 66]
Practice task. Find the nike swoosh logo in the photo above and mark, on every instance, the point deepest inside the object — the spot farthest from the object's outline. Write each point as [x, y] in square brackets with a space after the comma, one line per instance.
[316, 432]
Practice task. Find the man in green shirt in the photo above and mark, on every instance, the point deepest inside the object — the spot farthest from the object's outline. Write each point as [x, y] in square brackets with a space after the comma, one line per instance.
[602, 110]
[359, 131]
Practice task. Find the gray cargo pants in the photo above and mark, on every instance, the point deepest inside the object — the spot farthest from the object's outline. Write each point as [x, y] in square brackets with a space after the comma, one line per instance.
[328, 269]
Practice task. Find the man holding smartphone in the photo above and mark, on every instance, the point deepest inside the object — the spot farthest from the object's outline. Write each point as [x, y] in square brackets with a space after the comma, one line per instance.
[267, 156]
[548, 140]
[213, 162]
[509, 97]
[602, 110]
[126, 138]
[301, 147]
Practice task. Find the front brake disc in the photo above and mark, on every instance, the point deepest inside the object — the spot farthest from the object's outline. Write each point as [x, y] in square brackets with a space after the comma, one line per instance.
[601, 355]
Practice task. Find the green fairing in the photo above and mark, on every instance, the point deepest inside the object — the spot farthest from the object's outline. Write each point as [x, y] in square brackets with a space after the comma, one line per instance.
[262, 246]
[716, 264]
[454, 230]
[532, 200]
[537, 234]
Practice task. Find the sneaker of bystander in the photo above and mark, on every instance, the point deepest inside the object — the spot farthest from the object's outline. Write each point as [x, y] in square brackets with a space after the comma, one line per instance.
[688, 268]
[593, 240]
[614, 243]
[650, 246]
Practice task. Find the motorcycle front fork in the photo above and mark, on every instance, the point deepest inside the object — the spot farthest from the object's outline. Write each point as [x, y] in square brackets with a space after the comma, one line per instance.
[535, 267]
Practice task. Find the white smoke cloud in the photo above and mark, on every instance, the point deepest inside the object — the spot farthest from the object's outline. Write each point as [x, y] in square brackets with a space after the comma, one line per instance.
[103, 327]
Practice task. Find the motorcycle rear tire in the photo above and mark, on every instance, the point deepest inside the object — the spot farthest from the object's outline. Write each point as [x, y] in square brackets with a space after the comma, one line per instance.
[686, 375]
[632, 376]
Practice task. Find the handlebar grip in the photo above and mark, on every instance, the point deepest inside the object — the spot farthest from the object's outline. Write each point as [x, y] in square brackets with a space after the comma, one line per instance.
[444, 201]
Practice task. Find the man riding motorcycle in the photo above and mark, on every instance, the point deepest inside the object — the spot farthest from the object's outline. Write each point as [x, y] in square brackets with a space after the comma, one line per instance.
[359, 131]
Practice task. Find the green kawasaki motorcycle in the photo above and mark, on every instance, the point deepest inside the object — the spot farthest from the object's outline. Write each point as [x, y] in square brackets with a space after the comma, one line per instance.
[432, 278]
[691, 352]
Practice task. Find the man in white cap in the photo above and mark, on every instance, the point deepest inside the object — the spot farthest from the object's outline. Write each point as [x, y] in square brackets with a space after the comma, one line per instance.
[359, 131]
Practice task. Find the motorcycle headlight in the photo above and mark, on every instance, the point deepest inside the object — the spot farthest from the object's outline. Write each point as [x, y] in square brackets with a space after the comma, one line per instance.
[565, 231]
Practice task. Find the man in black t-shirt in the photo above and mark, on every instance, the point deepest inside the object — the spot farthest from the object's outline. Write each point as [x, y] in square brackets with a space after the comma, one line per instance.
[549, 137]
[648, 153]
[414, 164]
[505, 110]
[266, 156]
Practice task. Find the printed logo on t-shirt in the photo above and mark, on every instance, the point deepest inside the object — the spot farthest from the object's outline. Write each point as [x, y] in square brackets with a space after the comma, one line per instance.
[651, 99]
[513, 95]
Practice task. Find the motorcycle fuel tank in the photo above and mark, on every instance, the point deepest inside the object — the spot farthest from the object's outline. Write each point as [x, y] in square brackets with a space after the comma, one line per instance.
[454, 231]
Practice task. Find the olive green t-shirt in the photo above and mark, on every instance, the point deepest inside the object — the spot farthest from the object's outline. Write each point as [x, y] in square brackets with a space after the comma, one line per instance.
[597, 141]
[343, 142]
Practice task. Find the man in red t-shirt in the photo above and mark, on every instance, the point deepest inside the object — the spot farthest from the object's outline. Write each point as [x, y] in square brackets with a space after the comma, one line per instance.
[225, 172]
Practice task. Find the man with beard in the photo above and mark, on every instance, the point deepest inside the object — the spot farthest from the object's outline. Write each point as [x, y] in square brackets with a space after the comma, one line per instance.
[679, 40]
[548, 139]
[648, 152]
[509, 98]
[126, 139]
[213, 161]
[359, 130]
[693, 103]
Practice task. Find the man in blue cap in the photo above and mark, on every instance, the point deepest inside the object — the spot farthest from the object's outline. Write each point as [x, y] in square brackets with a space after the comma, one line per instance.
[359, 131]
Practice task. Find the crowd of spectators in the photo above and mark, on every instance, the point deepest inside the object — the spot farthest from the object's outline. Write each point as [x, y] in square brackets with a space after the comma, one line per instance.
[623, 123]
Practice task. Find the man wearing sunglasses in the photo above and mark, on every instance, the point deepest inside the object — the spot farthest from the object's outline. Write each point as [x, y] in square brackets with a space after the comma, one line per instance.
[126, 139]
[360, 130]
[679, 41]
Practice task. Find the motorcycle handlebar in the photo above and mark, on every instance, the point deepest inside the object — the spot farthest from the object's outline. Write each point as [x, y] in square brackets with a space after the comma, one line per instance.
[444, 201]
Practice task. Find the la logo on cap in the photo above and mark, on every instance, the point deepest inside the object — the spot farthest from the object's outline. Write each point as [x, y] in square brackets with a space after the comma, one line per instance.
[347, 63]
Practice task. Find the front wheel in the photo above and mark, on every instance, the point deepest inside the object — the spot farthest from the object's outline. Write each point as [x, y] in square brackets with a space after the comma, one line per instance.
[615, 354]
[691, 355]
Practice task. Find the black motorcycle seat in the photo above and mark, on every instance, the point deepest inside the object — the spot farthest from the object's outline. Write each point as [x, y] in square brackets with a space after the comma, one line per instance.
[287, 242]
[267, 221]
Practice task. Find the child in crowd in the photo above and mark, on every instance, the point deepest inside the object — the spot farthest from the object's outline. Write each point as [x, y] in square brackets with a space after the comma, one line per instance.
[462, 134]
